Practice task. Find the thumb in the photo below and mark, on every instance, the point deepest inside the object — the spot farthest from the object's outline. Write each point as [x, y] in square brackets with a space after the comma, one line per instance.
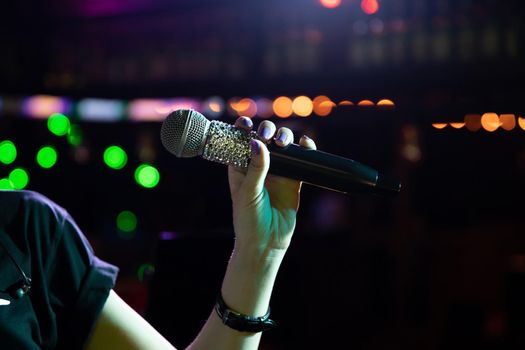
[257, 170]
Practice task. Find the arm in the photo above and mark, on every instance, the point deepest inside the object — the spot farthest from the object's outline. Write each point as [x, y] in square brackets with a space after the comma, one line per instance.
[264, 212]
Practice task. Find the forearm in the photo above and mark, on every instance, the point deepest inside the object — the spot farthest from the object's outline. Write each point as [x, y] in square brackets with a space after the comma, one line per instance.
[246, 288]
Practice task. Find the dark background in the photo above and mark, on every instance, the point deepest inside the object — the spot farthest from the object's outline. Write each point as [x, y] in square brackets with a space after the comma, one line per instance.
[441, 266]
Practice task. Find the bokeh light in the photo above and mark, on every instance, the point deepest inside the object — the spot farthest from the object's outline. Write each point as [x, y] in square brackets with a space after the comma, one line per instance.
[75, 136]
[58, 124]
[490, 122]
[147, 176]
[473, 122]
[507, 121]
[6, 184]
[521, 122]
[346, 103]
[144, 271]
[369, 6]
[46, 157]
[244, 107]
[19, 178]
[323, 105]
[115, 157]
[264, 107]
[386, 104]
[302, 106]
[331, 4]
[365, 103]
[282, 107]
[457, 125]
[126, 221]
[439, 125]
[7, 152]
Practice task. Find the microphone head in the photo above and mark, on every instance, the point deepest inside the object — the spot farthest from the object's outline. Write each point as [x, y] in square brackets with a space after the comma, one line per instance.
[184, 132]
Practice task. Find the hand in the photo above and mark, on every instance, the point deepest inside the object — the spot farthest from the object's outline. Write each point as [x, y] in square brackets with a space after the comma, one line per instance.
[264, 206]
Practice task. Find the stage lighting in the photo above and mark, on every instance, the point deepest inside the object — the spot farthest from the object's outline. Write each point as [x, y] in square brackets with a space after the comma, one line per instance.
[147, 176]
[19, 178]
[439, 125]
[58, 124]
[145, 270]
[126, 221]
[302, 106]
[282, 107]
[74, 136]
[331, 4]
[6, 184]
[115, 157]
[508, 121]
[323, 105]
[490, 122]
[7, 152]
[369, 6]
[46, 157]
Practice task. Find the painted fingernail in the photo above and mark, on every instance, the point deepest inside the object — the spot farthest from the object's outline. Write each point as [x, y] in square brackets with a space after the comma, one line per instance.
[265, 133]
[256, 148]
[247, 122]
[282, 137]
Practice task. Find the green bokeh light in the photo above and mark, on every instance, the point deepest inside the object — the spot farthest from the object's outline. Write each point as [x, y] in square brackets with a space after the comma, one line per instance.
[126, 224]
[6, 184]
[115, 157]
[145, 270]
[74, 135]
[147, 176]
[7, 152]
[58, 124]
[19, 178]
[46, 157]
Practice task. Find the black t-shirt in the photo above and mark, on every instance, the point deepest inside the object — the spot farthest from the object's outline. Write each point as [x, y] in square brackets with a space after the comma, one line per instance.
[69, 284]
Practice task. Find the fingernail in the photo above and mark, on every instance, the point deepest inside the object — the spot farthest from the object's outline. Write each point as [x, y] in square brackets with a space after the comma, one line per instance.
[247, 122]
[282, 137]
[306, 137]
[256, 148]
[265, 133]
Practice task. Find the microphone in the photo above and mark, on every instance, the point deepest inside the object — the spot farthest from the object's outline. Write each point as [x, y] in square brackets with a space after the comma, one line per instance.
[187, 133]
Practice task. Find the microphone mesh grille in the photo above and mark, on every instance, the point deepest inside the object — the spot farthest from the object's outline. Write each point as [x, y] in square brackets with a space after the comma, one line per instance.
[180, 143]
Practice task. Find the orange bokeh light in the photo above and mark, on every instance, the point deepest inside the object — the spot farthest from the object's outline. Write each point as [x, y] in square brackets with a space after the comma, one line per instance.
[302, 106]
[369, 6]
[323, 105]
[385, 103]
[365, 103]
[490, 122]
[457, 125]
[245, 107]
[331, 4]
[473, 122]
[508, 121]
[346, 103]
[521, 122]
[439, 125]
[282, 107]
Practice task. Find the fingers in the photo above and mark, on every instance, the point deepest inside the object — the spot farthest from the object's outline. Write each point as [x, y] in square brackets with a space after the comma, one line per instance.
[257, 170]
[307, 142]
[244, 123]
[267, 130]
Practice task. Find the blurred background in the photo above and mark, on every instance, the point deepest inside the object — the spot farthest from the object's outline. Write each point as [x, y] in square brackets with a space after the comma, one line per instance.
[428, 92]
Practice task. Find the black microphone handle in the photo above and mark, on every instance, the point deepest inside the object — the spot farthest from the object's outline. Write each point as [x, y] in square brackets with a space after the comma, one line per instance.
[329, 171]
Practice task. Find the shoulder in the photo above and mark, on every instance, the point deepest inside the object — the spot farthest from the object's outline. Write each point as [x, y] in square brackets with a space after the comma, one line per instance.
[29, 217]
[30, 202]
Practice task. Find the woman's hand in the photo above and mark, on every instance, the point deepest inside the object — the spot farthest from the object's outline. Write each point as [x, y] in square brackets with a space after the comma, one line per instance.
[264, 206]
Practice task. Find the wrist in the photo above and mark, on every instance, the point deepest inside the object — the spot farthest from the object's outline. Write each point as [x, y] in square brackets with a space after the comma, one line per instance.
[249, 280]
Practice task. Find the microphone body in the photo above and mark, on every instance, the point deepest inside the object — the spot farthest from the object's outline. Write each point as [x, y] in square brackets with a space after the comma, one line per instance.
[187, 133]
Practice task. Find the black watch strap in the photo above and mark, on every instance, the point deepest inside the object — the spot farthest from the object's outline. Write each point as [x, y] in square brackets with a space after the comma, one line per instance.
[240, 322]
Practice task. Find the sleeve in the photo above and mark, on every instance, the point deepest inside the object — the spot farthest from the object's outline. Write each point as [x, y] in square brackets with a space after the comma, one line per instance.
[79, 285]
